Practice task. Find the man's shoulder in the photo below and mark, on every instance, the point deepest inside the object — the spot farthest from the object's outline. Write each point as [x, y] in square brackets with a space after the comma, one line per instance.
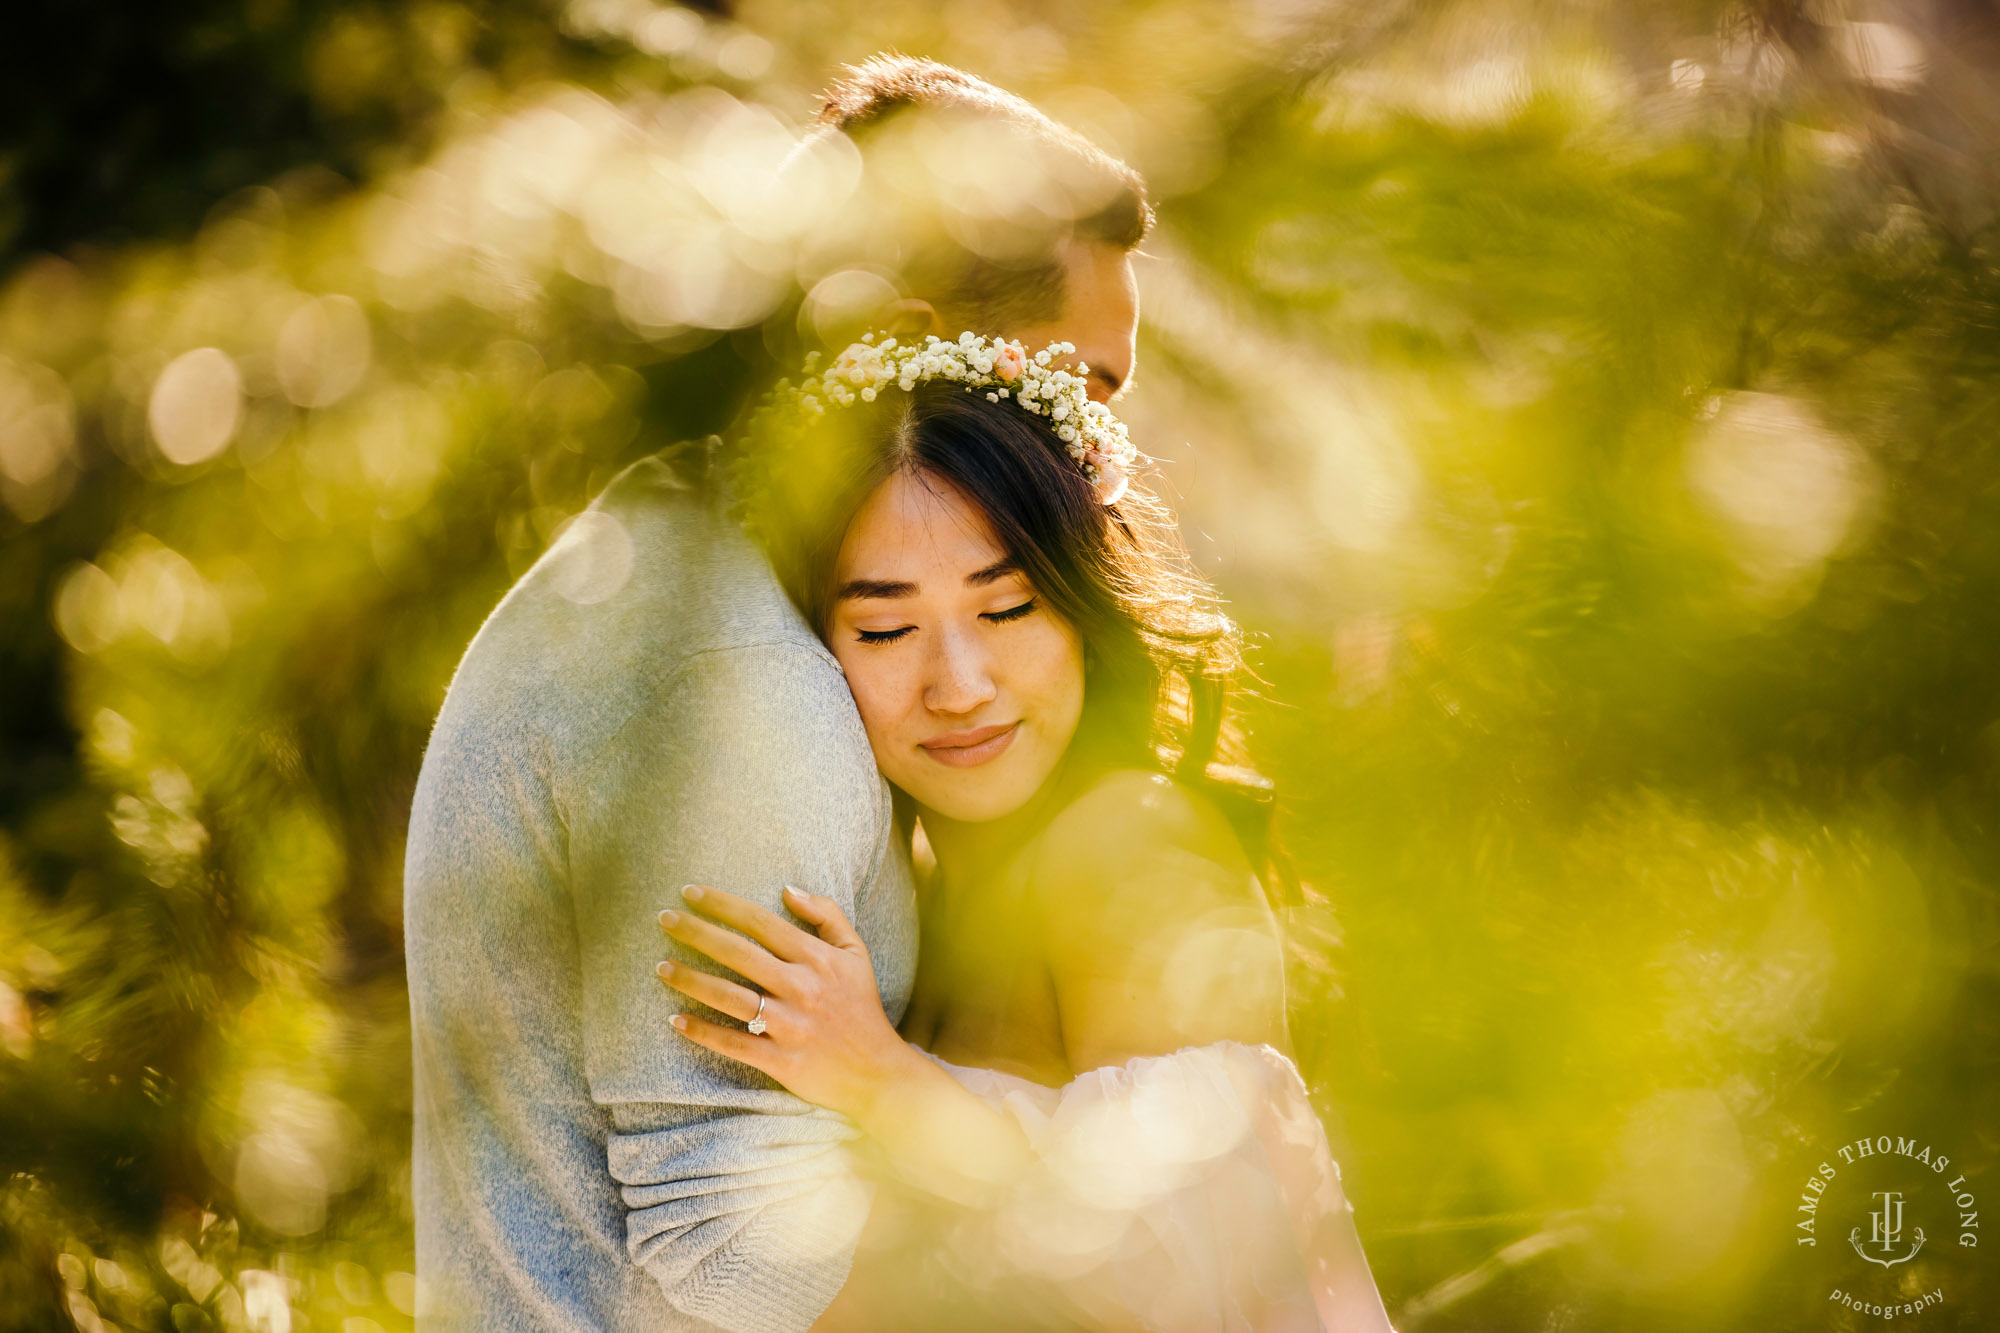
[653, 575]
[655, 562]
[655, 496]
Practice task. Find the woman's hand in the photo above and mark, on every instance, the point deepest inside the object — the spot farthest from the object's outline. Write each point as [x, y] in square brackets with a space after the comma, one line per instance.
[826, 1037]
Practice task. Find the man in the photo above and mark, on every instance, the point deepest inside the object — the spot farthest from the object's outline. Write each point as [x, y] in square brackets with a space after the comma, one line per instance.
[646, 710]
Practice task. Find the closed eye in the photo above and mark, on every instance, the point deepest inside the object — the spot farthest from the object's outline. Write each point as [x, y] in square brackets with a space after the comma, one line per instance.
[1011, 613]
[995, 617]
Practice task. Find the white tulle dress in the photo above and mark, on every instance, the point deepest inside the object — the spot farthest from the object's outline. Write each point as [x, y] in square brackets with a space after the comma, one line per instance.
[1185, 1193]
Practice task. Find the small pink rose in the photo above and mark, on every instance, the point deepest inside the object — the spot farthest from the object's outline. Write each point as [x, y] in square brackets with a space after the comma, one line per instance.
[1111, 483]
[1008, 363]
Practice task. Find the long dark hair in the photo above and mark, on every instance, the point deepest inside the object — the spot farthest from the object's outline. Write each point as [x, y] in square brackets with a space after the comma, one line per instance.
[1162, 656]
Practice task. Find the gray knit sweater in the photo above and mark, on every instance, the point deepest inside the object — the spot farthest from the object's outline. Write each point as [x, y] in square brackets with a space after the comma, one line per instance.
[645, 709]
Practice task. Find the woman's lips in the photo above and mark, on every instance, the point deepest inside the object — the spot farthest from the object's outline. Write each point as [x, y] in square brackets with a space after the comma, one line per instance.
[969, 749]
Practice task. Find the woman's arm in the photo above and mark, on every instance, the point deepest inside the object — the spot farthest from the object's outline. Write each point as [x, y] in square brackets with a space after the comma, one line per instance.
[827, 1040]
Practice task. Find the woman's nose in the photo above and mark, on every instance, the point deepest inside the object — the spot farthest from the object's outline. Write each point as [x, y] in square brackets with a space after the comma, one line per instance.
[961, 679]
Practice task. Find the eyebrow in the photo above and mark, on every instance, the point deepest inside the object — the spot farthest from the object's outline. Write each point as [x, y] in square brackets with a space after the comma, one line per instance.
[856, 589]
[993, 573]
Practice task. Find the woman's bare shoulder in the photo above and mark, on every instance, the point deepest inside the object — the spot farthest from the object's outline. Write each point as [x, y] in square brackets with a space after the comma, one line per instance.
[1133, 820]
[1158, 935]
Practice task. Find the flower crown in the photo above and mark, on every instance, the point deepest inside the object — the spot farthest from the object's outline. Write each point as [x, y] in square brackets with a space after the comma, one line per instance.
[1090, 433]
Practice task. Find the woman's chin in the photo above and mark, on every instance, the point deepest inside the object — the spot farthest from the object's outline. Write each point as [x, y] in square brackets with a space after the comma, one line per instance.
[975, 796]
[974, 807]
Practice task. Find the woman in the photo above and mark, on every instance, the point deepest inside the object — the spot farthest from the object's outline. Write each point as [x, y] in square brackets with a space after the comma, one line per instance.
[1100, 991]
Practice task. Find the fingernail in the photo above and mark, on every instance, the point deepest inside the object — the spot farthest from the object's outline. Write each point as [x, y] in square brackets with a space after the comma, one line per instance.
[680, 1022]
[796, 893]
[691, 892]
[666, 971]
[669, 919]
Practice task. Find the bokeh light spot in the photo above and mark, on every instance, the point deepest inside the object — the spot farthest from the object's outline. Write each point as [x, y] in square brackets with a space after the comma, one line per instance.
[1787, 489]
[195, 405]
[89, 611]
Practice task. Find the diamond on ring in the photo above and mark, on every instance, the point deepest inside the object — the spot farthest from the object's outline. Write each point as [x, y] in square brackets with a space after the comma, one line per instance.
[757, 1024]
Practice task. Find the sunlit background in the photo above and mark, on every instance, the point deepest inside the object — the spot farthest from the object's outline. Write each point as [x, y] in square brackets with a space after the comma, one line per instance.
[1592, 410]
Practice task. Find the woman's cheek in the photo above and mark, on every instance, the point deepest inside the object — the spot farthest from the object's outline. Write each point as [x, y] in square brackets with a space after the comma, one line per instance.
[1059, 676]
[878, 690]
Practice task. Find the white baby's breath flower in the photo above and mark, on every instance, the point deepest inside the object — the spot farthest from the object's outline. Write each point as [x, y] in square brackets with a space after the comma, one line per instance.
[1091, 435]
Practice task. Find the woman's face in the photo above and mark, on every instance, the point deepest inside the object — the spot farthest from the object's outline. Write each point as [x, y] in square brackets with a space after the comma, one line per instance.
[969, 684]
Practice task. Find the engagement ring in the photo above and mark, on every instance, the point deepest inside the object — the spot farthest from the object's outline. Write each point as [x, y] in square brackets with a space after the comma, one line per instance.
[757, 1023]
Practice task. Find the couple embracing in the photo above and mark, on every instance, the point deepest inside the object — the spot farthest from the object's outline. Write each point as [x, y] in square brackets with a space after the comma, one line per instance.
[839, 918]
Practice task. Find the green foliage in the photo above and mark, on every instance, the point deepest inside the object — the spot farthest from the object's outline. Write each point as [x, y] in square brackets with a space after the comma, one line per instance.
[1589, 413]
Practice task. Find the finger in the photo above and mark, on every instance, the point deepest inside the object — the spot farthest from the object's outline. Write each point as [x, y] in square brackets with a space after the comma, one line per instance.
[761, 924]
[747, 957]
[724, 997]
[825, 914]
[757, 1052]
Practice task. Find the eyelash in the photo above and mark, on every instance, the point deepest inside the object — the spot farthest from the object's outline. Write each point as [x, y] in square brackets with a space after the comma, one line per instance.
[995, 617]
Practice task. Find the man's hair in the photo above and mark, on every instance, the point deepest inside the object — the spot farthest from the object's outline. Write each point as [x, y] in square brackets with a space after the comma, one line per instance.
[883, 88]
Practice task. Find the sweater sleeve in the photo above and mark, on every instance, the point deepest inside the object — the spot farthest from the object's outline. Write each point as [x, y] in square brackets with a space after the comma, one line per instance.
[740, 1199]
